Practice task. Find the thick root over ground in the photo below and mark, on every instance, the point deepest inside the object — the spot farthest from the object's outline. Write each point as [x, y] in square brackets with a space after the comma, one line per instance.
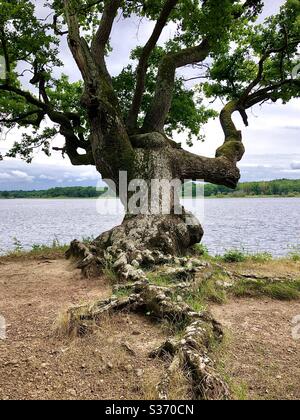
[198, 333]
[140, 244]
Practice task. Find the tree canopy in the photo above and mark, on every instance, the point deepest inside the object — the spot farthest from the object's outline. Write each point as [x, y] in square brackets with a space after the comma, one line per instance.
[237, 59]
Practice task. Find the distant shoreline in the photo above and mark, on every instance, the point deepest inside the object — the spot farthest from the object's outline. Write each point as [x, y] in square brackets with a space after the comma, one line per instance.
[220, 197]
[280, 188]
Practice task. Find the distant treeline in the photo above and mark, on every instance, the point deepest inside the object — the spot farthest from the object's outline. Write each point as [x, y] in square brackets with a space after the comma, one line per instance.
[60, 192]
[281, 187]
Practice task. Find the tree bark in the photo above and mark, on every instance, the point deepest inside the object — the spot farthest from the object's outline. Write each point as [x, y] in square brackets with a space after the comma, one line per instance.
[158, 227]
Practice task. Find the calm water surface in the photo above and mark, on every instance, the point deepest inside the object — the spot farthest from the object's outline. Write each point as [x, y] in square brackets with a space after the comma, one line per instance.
[263, 224]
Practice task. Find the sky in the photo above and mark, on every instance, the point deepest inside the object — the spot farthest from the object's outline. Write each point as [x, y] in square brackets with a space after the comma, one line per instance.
[272, 140]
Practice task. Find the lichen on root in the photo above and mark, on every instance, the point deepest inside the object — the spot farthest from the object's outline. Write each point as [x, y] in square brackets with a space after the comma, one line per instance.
[189, 353]
[139, 245]
[140, 241]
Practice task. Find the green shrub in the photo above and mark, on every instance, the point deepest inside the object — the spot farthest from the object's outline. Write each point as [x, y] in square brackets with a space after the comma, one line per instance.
[18, 247]
[294, 254]
[234, 256]
[261, 257]
[201, 250]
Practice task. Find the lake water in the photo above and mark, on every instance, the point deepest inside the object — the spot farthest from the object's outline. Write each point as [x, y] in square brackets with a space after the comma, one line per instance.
[262, 224]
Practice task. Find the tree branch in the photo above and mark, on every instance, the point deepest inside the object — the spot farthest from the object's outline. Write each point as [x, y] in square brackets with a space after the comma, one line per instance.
[23, 118]
[220, 170]
[157, 114]
[266, 93]
[78, 45]
[5, 52]
[102, 36]
[73, 143]
[160, 107]
[143, 63]
[24, 94]
[261, 64]
[57, 31]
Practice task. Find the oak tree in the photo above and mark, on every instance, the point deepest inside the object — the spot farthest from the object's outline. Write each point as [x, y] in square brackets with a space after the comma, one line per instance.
[125, 123]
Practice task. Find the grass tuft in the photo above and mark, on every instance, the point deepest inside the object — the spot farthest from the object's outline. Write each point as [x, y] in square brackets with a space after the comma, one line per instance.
[208, 291]
[288, 290]
[201, 250]
[160, 279]
[234, 256]
[111, 275]
[261, 257]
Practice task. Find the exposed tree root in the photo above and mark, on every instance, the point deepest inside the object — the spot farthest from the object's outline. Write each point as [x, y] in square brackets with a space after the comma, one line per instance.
[190, 353]
[141, 241]
[141, 244]
[86, 259]
[234, 275]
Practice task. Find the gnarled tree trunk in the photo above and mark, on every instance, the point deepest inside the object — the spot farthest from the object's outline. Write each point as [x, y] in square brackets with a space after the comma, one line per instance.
[156, 228]
[148, 234]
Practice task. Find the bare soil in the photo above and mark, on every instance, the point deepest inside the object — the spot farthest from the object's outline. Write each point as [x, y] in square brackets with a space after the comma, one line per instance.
[261, 355]
[35, 364]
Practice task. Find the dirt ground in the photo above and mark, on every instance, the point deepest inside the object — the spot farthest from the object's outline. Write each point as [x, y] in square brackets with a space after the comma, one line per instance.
[113, 363]
[260, 356]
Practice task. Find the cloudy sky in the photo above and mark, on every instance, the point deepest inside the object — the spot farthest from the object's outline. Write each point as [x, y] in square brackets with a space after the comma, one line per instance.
[272, 139]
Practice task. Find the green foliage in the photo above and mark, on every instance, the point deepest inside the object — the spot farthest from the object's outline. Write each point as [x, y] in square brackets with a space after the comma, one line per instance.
[55, 250]
[187, 113]
[160, 279]
[233, 70]
[281, 188]
[261, 257]
[234, 256]
[294, 254]
[208, 291]
[32, 46]
[18, 247]
[201, 250]
[287, 290]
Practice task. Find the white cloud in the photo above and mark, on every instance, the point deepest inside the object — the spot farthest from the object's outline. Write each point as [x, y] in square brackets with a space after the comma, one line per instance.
[91, 174]
[16, 175]
[47, 177]
[22, 175]
[5, 175]
[291, 171]
[295, 165]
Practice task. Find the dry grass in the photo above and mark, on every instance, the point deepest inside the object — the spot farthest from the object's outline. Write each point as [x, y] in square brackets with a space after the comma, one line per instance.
[179, 388]
[259, 358]
[275, 268]
[278, 290]
[39, 253]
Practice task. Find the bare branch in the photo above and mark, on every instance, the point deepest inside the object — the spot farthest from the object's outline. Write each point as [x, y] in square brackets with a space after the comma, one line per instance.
[160, 107]
[78, 45]
[102, 36]
[143, 63]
